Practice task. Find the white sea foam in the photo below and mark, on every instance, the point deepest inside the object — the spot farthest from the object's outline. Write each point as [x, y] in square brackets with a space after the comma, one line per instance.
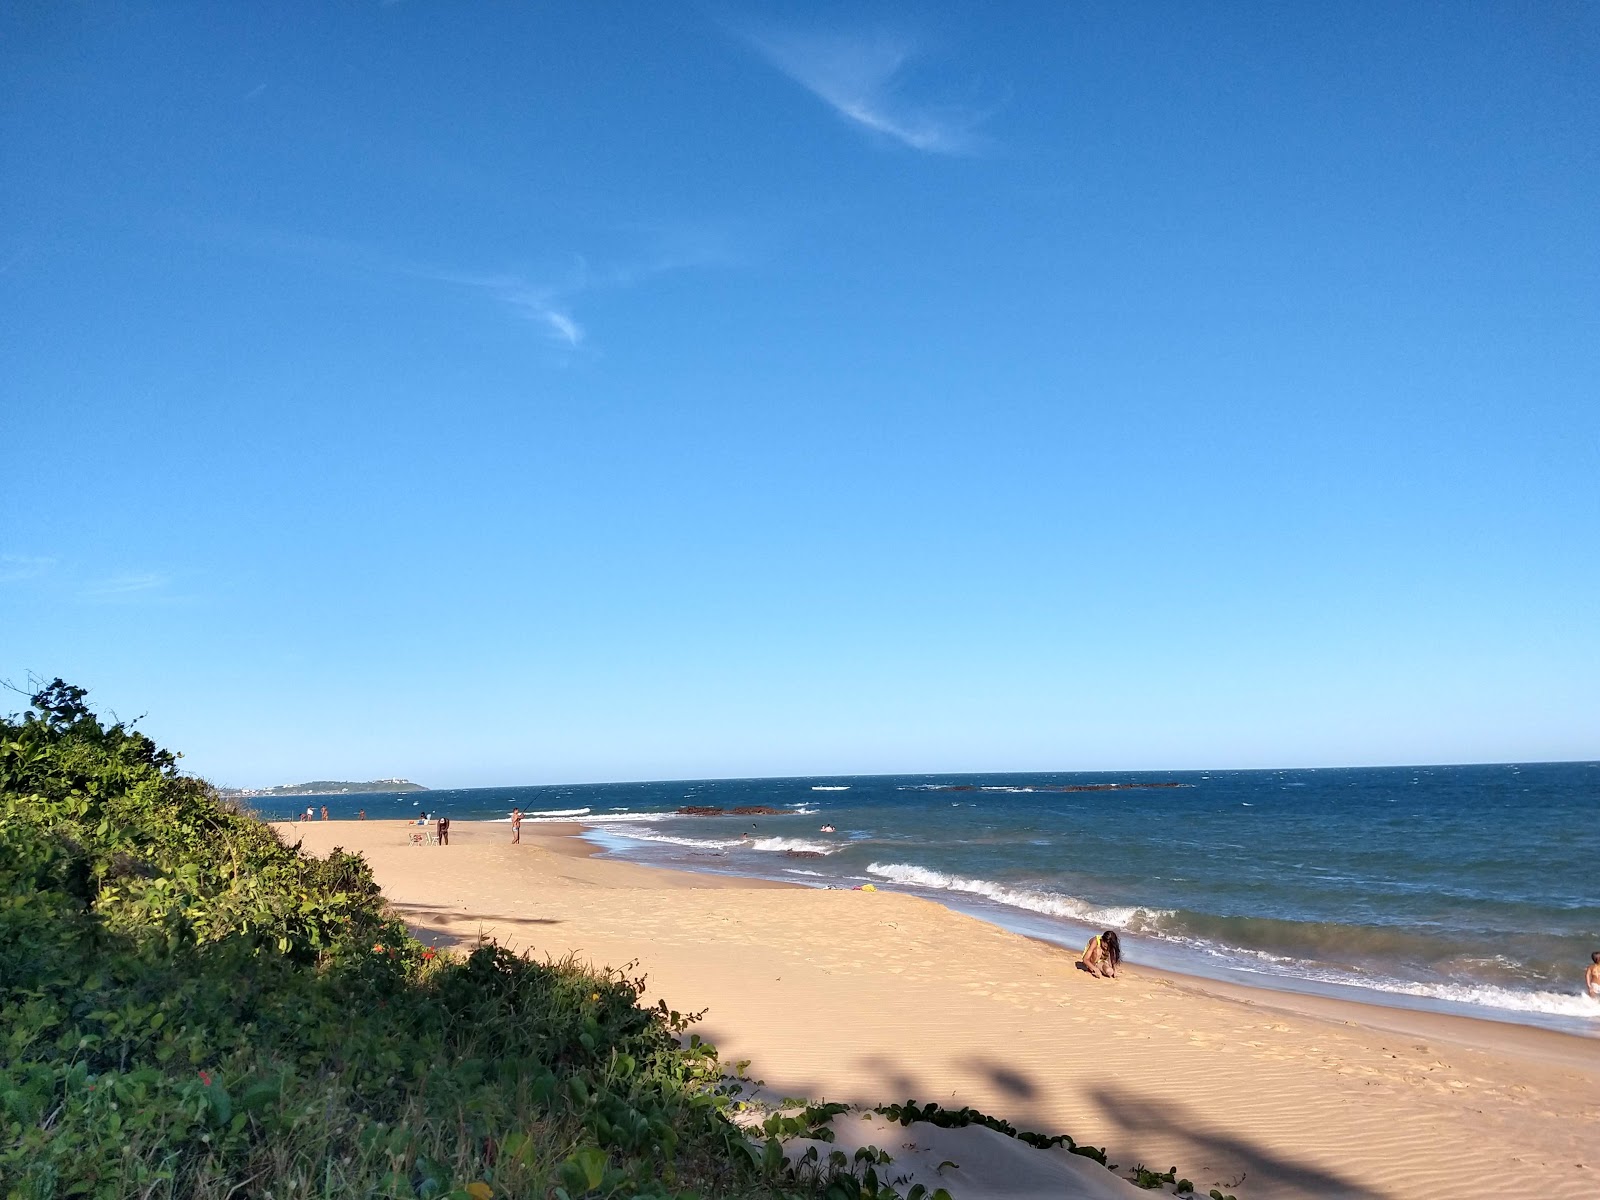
[1053, 904]
[803, 871]
[1561, 1004]
[639, 835]
[783, 844]
[1482, 995]
[548, 813]
[830, 787]
[771, 844]
[627, 817]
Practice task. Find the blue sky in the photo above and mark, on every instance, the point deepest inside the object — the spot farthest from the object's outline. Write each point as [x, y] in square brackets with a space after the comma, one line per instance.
[525, 393]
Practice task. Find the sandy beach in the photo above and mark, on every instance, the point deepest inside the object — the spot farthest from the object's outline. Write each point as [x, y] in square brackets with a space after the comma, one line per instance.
[876, 997]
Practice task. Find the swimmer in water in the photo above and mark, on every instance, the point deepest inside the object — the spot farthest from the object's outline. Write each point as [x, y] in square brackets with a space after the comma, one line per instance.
[828, 829]
[1591, 977]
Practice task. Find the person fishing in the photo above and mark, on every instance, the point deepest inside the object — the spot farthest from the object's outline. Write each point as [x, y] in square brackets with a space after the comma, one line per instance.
[1103, 955]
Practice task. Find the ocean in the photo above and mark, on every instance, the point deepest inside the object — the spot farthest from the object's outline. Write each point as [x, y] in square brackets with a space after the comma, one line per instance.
[1468, 889]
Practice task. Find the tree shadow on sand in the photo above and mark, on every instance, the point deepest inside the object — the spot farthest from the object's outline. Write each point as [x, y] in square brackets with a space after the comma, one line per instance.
[454, 916]
[1130, 1124]
[1137, 1114]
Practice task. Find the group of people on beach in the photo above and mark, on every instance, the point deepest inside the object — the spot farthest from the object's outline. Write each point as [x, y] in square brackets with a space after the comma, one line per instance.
[441, 828]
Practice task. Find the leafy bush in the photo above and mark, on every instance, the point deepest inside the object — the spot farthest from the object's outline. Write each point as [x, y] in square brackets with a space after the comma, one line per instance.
[191, 1007]
[958, 1118]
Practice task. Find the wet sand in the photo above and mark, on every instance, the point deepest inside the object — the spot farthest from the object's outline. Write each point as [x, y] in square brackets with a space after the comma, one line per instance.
[875, 997]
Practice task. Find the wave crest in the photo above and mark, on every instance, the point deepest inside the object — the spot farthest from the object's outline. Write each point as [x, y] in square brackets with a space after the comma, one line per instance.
[1053, 904]
[784, 844]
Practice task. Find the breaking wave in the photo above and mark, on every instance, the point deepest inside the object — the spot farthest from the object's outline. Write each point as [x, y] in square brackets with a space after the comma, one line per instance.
[1281, 954]
[639, 835]
[625, 816]
[771, 844]
[1558, 1004]
[787, 844]
[1053, 904]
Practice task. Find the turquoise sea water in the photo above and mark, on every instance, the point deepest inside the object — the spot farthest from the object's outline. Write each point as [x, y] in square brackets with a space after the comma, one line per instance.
[1473, 889]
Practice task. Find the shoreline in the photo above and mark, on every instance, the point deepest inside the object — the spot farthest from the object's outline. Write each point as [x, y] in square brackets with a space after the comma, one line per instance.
[885, 996]
[1054, 933]
[1404, 1019]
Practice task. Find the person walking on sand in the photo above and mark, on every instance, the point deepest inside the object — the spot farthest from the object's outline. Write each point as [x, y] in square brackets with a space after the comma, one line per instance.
[1591, 977]
[516, 826]
[1103, 954]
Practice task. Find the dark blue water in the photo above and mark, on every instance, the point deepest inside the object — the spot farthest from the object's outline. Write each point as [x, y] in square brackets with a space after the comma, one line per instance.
[1460, 888]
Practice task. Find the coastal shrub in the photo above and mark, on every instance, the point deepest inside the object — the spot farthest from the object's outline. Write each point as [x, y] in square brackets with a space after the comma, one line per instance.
[1150, 1179]
[190, 1007]
[957, 1118]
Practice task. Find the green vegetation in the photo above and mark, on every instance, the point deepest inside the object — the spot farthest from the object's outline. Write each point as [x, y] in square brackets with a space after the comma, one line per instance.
[1149, 1179]
[188, 1007]
[957, 1118]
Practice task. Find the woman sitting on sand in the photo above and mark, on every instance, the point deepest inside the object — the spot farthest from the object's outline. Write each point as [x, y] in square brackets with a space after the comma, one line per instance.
[1102, 955]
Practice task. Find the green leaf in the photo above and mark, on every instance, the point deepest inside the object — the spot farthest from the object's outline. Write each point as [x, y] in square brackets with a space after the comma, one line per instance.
[772, 1158]
[584, 1169]
[261, 1094]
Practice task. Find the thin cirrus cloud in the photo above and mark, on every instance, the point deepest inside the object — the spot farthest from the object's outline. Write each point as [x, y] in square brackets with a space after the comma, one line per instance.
[544, 306]
[547, 300]
[14, 568]
[550, 305]
[863, 79]
[130, 585]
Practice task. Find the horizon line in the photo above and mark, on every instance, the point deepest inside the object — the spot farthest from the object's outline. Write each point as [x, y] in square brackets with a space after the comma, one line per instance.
[1554, 762]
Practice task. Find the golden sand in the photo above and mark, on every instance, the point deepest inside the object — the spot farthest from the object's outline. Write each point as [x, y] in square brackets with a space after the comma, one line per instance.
[876, 996]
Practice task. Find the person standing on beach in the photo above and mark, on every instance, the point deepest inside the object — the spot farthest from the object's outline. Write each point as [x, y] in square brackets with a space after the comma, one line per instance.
[444, 831]
[516, 826]
[1591, 977]
[362, 815]
[324, 812]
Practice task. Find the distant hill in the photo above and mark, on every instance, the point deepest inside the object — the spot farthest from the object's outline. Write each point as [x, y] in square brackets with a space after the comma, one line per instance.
[334, 787]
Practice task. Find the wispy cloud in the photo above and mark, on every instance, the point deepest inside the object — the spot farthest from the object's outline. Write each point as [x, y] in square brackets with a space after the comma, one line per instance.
[545, 306]
[547, 298]
[129, 585]
[14, 568]
[863, 79]
[549, 303]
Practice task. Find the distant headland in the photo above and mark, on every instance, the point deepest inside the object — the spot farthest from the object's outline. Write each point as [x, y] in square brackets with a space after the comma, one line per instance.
[331, 787]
